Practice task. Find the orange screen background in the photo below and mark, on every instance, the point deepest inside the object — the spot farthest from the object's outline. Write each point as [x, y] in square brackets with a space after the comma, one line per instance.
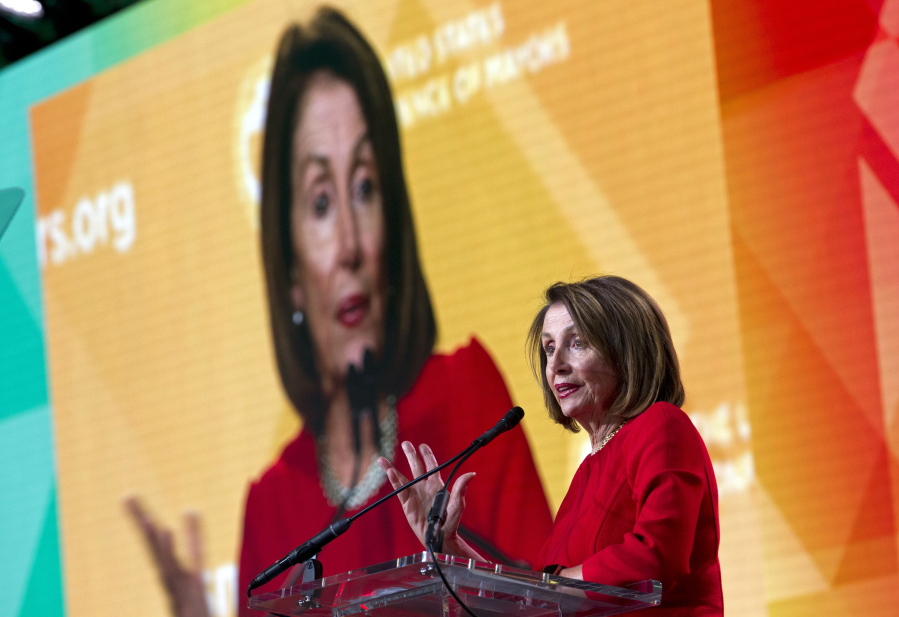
[736, 159]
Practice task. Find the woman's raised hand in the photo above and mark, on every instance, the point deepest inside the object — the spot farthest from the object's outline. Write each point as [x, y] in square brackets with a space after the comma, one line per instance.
[417, 499]
[183, 584]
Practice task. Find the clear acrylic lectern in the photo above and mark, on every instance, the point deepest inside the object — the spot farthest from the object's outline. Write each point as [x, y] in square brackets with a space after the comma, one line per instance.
[411, 586]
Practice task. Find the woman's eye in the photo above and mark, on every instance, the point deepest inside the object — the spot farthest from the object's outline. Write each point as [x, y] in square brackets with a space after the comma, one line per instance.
[365, 190]
[549, 349]
[577, 344]
[320, 204]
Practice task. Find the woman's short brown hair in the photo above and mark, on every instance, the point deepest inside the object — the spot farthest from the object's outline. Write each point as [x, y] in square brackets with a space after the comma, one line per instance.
[332, 44]
[626, 326]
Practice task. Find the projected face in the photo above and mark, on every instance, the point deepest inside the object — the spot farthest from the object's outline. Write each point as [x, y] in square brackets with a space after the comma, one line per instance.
[582, 381]
[337, 228]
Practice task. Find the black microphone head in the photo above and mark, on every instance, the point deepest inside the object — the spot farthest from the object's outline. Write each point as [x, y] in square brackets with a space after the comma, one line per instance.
[509, 421]
[513, 417]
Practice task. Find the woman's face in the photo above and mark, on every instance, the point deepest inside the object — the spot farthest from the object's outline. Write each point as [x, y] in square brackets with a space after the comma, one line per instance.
[583, 382]
[337, 228]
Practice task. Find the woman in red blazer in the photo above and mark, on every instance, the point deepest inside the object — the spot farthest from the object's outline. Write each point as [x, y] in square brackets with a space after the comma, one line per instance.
[644, 503]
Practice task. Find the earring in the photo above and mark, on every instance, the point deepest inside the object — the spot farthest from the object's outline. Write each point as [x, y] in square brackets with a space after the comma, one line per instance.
[298, 317]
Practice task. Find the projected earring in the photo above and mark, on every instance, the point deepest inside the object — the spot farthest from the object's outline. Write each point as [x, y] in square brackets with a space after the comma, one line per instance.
[298, 317]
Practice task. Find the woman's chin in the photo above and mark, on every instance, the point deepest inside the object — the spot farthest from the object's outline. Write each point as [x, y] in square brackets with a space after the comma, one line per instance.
[577, 412]
[571, 412]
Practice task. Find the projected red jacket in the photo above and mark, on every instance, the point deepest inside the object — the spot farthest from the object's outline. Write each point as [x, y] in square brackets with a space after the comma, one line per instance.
[646, 507]
[456, 398]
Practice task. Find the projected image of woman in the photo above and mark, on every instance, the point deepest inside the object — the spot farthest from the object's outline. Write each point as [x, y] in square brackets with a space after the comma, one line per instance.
[354, 330]
[345, 289]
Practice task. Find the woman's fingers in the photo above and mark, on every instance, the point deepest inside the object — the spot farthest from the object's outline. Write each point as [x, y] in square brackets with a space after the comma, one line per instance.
[184, 585]
[194, 540]
[461, 485]
[167, 550]
[134, 507]
[457, 501]
[138, 514]
[152, 534]
[394, 476]
[428, 457]
[161, 542]
[396, 479]
[415, 464]
[417, 500]
[428, 463]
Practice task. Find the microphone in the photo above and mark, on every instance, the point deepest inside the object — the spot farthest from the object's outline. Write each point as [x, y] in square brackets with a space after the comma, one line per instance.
[302, 553]
[436, 519]
[508, 421]
[362, 390]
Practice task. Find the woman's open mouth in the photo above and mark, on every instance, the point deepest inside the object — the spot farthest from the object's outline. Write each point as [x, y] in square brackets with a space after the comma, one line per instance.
[564, 390]
[353, 310]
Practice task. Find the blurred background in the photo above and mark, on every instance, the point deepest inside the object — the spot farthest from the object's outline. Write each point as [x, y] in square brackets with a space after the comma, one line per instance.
[739, 159]
[29, 25]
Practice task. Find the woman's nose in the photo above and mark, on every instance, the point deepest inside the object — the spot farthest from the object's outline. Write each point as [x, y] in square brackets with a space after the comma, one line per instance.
[558, 363]
[349, 247]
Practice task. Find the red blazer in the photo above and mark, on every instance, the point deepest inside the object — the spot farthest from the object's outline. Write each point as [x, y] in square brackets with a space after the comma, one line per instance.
[455, 399]
[646, 507]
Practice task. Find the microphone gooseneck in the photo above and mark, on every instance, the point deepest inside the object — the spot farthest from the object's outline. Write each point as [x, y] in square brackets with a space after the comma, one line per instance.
[315, 544]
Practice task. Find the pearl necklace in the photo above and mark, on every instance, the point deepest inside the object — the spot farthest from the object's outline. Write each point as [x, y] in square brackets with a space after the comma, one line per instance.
[605, 440]
[351, 497]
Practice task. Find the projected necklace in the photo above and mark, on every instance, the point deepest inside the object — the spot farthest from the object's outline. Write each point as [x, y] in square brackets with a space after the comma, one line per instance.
[351, 497]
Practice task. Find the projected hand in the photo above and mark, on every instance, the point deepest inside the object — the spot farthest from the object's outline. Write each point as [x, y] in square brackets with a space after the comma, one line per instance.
[417, 499]
[184, 585]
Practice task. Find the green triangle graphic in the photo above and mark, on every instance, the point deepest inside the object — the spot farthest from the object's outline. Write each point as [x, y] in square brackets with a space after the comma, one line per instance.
[9, 203]
[44, 593]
